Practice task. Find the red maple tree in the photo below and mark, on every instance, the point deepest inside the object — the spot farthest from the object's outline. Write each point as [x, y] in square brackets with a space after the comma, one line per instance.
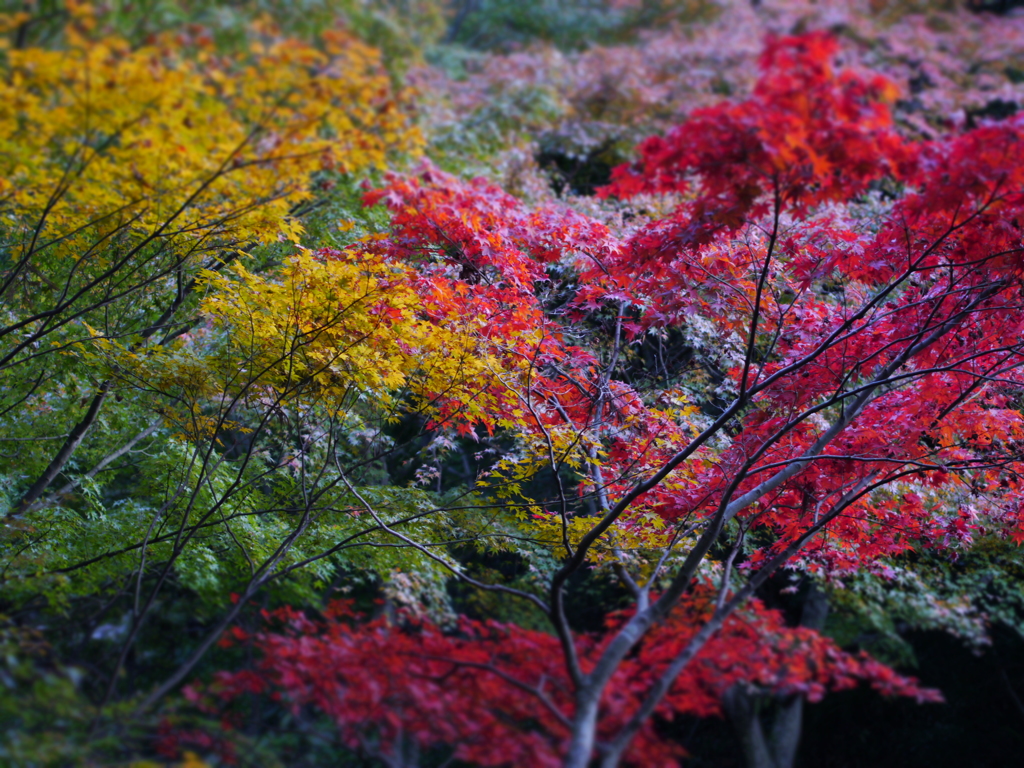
[865, 292]
[496, 695]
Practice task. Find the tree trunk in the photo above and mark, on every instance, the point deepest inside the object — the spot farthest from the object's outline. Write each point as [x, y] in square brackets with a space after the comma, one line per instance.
[584, 731]
[744, 706]
[741, 707]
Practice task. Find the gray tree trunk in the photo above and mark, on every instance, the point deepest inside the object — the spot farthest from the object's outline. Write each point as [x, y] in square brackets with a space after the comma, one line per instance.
[746, 707]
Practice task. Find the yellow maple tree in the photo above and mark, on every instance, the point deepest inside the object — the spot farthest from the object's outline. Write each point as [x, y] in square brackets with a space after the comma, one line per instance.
[127, 171]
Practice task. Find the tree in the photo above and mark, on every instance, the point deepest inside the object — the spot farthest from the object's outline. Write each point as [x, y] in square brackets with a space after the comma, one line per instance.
[851, 301]
[788, 338]
[133, 179]
[127, 171]
[496, 695]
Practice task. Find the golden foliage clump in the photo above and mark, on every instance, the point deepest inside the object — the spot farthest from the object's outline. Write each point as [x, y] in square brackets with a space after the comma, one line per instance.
[176, 138]
[341, 326]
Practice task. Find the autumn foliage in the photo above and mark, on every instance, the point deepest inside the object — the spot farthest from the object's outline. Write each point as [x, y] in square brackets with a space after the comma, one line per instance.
[894, 330]
[247, 356]
[496, 695]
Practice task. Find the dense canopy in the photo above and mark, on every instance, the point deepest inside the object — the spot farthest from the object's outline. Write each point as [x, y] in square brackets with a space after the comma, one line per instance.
[478, 383]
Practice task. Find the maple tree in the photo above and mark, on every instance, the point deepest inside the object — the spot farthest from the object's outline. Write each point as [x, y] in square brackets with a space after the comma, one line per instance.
[134, 175]
[128, 171]
[494, 695]
[874, 355]
[785, 338]
[578, 113]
